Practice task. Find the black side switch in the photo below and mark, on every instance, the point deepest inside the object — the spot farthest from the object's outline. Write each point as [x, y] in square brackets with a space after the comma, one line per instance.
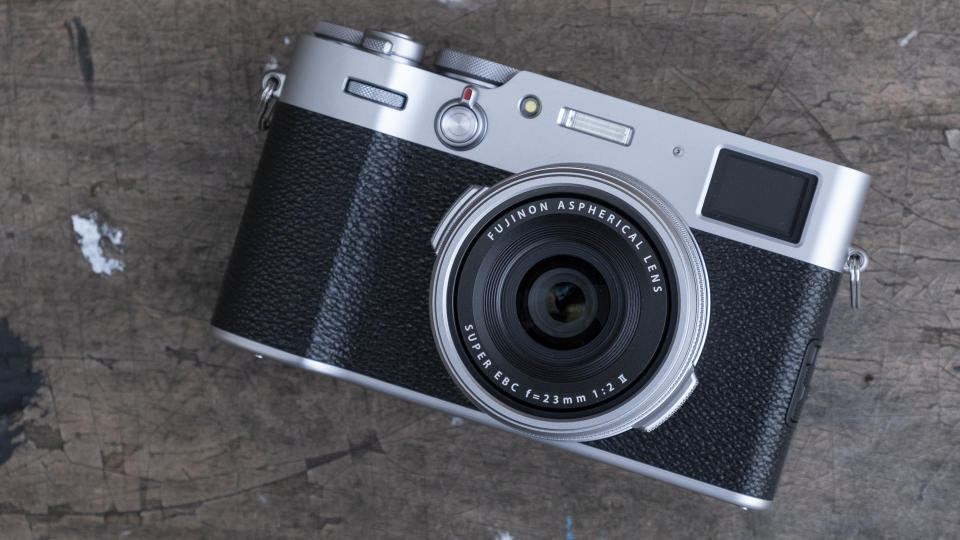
[803, 382]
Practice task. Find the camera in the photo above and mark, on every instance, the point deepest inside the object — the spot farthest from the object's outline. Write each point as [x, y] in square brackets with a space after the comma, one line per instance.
[628, 285]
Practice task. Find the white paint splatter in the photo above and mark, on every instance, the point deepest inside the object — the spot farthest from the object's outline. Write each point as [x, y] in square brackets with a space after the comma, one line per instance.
[286, 40]
[126, 532]
[906, 39]
[456, 421]
[271, 64]
[262, 497]
[503, 535]
[953, 138]
[92, 239]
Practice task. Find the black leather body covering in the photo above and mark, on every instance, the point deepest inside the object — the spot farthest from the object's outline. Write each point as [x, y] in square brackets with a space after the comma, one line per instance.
[333, 262]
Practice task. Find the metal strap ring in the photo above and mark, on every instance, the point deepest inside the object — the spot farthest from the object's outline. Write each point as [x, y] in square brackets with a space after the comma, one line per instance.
[272, 85]
[857, 261]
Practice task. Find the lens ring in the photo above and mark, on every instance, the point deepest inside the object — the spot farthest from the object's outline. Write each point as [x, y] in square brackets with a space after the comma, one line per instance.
[584, 378]
[644, 407]
[561, 365]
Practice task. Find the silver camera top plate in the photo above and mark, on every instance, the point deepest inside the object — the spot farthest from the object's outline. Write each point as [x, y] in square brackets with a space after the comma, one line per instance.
[515, 142]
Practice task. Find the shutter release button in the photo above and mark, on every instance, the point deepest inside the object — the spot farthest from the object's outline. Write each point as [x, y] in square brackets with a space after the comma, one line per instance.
[461, 123]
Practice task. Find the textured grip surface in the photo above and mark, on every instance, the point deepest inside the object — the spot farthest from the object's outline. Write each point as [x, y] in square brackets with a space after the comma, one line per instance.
[732, 432]
[333, 261]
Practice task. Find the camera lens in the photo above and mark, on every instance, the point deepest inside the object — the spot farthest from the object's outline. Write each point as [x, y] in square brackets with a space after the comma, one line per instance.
[569, 295]
[557, 305]
[559, 302]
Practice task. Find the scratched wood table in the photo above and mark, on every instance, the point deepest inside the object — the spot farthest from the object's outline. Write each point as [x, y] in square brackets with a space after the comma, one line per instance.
[127, 146]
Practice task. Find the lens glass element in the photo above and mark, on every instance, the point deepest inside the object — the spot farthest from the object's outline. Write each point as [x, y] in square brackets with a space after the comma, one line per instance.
[559, 301]
[565, 302]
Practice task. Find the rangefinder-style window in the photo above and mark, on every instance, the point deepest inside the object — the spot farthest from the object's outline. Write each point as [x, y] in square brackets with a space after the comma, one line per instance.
[760, 196]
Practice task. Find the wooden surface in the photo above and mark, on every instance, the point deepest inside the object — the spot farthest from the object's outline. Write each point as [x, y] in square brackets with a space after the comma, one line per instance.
[136, 423]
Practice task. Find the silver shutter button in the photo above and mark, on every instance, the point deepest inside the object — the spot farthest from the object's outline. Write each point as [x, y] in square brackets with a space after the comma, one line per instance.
[461, 123]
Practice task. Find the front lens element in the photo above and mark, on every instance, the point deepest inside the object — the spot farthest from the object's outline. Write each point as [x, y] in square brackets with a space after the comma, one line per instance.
[565, 302]
[559, 302]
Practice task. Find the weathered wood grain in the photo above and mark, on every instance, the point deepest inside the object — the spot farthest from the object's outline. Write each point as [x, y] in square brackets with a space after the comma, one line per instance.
[146, 426]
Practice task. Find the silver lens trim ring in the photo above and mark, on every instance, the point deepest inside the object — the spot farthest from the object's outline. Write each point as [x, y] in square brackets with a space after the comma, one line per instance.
[648, 408]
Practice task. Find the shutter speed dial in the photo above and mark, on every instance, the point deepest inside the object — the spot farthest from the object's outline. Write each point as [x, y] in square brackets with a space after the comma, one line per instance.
[473, 69]
[336, 32]
[402, 48]
[393, 45]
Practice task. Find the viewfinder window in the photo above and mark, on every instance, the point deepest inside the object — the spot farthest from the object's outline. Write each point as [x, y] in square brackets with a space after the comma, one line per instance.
[759, 196]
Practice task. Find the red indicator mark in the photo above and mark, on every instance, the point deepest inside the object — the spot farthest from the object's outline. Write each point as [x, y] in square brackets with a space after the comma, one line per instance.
[467, 94]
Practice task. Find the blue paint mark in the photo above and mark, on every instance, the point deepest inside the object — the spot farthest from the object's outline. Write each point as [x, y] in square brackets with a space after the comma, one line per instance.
[18, 386]
[83, 52]
[570, 535]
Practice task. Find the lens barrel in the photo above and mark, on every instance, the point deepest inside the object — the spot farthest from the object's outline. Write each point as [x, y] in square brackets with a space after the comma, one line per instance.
[570, 302]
